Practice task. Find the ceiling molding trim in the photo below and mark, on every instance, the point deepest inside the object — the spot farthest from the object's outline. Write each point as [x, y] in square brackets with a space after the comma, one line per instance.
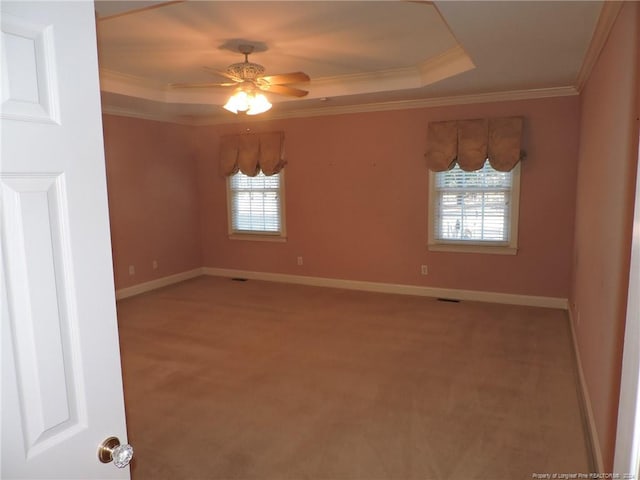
[447, 64]
[530, 94]
[369, 82]
[537, 93]
[444, 65]
[125, 112]
[606, 19]
[135, 10]
[130, 85]
[342, 85]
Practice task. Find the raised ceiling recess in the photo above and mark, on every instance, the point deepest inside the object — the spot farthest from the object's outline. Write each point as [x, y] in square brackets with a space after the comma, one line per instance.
[355, 53]
[347, 48]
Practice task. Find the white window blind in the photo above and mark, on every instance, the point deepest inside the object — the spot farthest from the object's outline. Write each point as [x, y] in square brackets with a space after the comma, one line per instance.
[473, 207]
[255, 203]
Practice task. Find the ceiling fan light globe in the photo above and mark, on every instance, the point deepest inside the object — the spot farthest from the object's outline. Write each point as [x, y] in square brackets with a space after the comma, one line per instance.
[238, 102]
[243, 101]
[229, 106]
[259, 104]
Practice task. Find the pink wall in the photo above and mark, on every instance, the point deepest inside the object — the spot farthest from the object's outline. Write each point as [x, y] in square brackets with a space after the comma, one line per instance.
[605, 192]
[356, 201]
[153, 201]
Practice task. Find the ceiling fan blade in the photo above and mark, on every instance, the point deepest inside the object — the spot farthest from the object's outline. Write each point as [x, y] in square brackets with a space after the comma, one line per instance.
[201, 85]
[282, 90]
[294, 77]
[222, 74]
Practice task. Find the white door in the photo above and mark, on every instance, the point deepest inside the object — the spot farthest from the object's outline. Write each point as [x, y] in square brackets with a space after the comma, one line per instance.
[627, 455]
[61, 378]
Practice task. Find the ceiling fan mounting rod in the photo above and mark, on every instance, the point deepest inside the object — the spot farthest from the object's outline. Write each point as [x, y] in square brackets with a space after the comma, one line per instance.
[246, 50]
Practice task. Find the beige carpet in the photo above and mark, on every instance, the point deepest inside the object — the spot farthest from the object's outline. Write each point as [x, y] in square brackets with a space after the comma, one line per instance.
[258, 380]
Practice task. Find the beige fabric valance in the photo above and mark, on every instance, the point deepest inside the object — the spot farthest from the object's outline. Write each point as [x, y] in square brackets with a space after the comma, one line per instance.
[251, 153]
[469, 143]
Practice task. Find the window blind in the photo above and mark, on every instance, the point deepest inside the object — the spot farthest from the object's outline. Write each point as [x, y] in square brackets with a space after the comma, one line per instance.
[473, 206]
[255, 203]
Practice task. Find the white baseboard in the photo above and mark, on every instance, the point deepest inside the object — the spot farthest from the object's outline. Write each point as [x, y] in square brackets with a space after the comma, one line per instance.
[472, 295]
[157, 283]
[401, 289]
[592, 433]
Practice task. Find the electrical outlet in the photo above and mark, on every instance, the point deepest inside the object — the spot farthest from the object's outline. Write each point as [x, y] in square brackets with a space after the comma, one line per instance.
[154, 264]
[299, 260]
[132, 270]
[424, 270]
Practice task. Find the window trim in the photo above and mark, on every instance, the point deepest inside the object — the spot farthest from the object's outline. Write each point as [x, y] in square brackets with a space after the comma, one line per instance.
[466, 246]
[280, 236]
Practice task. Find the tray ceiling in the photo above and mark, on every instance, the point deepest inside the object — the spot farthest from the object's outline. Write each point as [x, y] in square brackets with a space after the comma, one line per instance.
[357, 53]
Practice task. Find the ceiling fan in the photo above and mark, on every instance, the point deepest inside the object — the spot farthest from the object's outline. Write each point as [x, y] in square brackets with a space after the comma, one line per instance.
[249, 79]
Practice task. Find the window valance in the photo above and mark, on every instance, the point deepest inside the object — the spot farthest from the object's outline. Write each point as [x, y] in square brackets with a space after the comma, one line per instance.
[251, 153]
[471, 142]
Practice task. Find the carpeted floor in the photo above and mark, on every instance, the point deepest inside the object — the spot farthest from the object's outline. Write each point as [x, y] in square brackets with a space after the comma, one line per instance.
[259, 380]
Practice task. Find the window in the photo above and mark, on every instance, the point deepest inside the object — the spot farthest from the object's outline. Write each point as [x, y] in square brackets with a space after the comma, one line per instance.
[256, 206]
[474, 211]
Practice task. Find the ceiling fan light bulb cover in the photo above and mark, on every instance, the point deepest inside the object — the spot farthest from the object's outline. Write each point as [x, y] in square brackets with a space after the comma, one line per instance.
[238, 102]
[259, 104]
[230, 107]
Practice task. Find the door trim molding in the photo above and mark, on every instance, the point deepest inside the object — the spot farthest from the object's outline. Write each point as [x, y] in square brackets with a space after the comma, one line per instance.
[627, 449]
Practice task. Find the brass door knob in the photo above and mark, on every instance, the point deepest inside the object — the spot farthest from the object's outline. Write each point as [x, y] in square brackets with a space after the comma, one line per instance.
[111, 450]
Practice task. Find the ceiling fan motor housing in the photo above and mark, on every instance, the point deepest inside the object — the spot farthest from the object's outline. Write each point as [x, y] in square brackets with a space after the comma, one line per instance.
[245, 70]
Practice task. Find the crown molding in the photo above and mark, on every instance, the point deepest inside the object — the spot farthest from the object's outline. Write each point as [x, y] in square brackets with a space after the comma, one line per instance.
[130, 85]
[132, 11]
[399, 105]
[449, 63]
[491, 97]
[606, 19]
[166, 118]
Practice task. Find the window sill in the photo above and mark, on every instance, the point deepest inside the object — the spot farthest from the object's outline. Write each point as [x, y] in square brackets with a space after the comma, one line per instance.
[473, 248]
[256, 237]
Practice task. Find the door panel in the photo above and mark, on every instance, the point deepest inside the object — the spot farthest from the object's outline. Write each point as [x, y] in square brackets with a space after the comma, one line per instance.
[52, 401]
[61, 377]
